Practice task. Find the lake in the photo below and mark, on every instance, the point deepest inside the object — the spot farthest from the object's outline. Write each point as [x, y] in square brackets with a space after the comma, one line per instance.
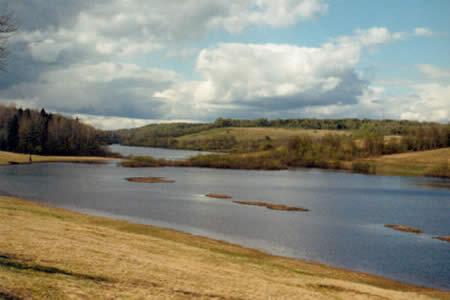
[155, 152]
[344, 227]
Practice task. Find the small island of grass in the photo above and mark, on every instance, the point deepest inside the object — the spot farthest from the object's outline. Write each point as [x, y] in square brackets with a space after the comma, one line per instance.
[273, 206]
[150, 180]
[443, 238]
[403, 228]
[218, 196]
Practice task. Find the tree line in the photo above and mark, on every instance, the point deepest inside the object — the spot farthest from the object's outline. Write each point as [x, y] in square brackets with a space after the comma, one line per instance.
[39, 132]
[385, 127]
[310, 151]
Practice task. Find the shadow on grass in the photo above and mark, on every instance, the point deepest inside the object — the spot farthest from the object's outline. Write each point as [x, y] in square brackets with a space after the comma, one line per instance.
[8, 261]
[8, 296]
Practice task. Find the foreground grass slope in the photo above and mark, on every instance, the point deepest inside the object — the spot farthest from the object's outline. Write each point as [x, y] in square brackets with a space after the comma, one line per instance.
[10, 157]
[47, 252]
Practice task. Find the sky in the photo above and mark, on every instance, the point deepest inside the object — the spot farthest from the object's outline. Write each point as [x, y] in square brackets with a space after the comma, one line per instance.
[126, 63]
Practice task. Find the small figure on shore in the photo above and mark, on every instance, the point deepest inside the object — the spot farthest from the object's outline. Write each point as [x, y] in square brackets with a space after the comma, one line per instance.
[30, 160]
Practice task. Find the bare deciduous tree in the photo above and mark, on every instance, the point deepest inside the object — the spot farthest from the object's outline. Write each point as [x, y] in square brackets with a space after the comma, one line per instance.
[6, 28]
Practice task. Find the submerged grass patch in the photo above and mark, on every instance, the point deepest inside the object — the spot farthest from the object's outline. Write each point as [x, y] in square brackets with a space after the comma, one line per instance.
[149, 180]
[443, 238]
[218, 196]
[403, 228]
[268, 205]
[272, 206]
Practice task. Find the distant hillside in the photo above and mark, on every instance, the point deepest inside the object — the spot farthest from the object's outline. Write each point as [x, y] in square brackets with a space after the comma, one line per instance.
[39, 132]
[262, 134]
[157, 135]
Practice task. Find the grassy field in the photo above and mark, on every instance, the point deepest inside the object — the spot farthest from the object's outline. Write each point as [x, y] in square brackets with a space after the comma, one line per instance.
[243, 134]
[54, 253]
[8, 157]
[411, 164]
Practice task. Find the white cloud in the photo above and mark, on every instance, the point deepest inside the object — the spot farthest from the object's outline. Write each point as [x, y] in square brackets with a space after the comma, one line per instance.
[434, 72]
[371, 37]
[279, 76]
[424, 102]
[131, 27]
[112, 123]
[422, 31]
[276, 13]
[432, 103]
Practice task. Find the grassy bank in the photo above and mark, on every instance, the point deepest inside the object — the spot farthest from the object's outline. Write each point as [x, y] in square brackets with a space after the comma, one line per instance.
[18, 158]
[48, 252]
[422, 163]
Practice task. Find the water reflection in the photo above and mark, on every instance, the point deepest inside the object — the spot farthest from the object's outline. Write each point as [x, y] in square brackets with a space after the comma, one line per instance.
[155, 152]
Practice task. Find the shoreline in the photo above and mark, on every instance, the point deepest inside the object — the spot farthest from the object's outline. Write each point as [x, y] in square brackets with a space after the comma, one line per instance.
[409, 164]
[224, 253]
[12, 158]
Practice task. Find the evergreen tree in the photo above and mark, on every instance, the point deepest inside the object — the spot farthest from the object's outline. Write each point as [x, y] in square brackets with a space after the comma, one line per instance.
[13, 134]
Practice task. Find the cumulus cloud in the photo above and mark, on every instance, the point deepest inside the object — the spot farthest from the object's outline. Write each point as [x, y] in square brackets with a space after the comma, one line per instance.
[279, 77]
[125, 28]
[58, 40]
[276, 13]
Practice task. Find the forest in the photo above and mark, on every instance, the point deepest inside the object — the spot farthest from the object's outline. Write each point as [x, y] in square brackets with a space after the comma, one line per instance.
[38, 132]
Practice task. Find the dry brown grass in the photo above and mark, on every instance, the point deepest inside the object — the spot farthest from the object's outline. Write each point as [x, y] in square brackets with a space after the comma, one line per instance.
[411, 163]
[150, 180]
[54, 253]
[243, 134]
[10, 157]
[403, 228]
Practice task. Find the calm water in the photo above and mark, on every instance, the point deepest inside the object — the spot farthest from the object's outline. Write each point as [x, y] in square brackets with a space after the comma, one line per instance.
[344, 227]
[154, 152]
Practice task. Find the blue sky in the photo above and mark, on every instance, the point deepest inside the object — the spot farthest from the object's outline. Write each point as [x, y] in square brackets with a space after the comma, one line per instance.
[126, 63]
